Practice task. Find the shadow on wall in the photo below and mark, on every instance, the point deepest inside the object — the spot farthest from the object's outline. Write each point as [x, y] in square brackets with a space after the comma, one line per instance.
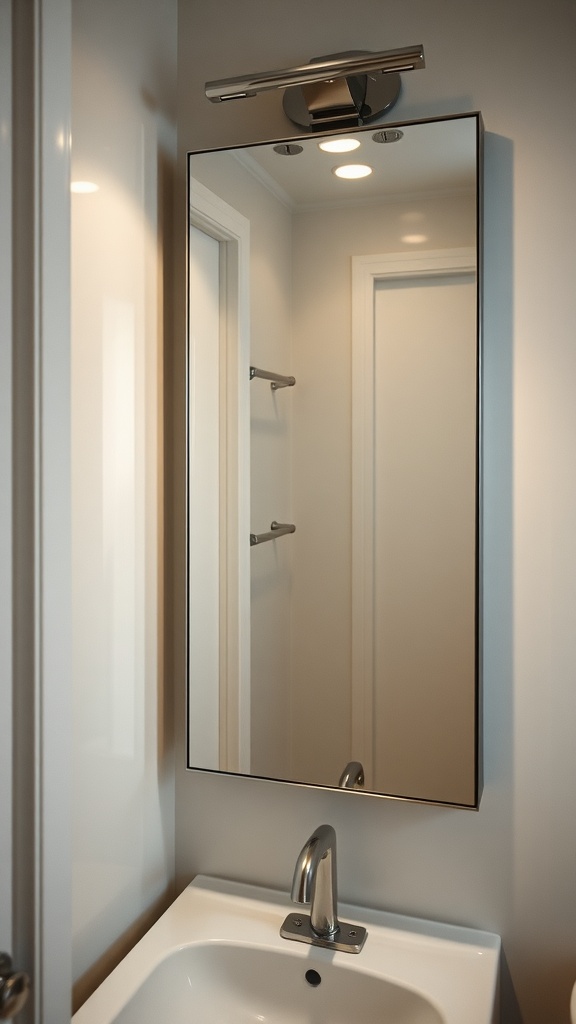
[509, 1006]
[98, 971]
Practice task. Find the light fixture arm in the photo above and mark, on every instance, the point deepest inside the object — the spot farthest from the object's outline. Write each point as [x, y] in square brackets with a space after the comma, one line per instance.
[410, 58]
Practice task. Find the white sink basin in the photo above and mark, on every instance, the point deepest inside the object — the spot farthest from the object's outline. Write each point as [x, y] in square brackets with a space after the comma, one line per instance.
[217, 956]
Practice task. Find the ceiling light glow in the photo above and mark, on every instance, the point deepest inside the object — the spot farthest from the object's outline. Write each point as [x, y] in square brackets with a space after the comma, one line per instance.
[339, 145]
[352, 171]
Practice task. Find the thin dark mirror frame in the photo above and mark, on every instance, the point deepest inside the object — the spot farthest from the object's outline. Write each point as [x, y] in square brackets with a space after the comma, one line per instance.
[477, 782]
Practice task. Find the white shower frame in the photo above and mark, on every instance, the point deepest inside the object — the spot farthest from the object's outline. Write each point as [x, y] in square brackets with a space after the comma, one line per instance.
[222, 222]
[367, 271]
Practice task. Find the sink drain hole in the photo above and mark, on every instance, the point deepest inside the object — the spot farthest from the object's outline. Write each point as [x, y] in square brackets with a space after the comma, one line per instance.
[313, 978]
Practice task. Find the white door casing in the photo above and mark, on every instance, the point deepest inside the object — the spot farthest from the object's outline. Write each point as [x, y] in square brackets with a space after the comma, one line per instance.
[35, 509]
[219, 221]
[204, 498]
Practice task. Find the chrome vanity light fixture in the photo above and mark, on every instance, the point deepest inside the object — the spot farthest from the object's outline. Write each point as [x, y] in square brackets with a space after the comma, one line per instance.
[341, 90]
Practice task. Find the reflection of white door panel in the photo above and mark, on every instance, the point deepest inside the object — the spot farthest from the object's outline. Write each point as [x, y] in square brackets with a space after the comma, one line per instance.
[414, 522]
[218, 466]
[424, 533]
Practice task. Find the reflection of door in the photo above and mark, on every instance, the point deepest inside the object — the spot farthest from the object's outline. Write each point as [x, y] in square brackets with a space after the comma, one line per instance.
[424, 534]
[218, 467]
[415, 384]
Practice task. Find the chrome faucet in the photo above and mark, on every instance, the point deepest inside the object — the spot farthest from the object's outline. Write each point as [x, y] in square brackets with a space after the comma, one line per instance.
[314, 883]
[353, 775]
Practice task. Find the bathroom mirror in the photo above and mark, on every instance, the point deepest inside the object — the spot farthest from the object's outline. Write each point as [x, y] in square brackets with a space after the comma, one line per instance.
[333, 390]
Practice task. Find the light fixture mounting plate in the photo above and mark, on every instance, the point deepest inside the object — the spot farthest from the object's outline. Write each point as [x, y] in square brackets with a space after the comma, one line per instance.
[370, 96]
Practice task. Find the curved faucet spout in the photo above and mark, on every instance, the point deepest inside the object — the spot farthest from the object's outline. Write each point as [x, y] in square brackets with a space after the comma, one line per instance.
[353, 775]
[315, 881]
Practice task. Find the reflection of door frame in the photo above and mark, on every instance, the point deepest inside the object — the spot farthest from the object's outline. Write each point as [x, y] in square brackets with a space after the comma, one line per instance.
[366, 272]
[222, 222]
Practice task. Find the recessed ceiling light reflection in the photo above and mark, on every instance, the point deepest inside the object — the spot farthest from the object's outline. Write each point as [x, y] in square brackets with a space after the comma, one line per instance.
[84, 187]
[414, 239]
[352, 171]
[412, 216]
[339, 145]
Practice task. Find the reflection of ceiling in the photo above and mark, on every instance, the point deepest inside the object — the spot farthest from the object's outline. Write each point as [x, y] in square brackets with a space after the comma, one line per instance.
[433, 157]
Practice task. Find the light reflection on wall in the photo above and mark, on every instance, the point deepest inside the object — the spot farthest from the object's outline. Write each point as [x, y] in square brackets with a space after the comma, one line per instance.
[124, 141]
[114, 318]
[119, 511]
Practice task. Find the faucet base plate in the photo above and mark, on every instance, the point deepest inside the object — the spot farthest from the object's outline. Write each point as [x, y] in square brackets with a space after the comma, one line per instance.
[348, 939]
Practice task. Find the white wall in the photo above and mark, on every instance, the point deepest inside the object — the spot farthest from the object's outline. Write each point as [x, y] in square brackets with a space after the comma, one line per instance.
[510, 867]
[270, 485]
[124, 59]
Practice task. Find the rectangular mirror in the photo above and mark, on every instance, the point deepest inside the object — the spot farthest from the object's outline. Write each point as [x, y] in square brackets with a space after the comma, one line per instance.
[334, 389]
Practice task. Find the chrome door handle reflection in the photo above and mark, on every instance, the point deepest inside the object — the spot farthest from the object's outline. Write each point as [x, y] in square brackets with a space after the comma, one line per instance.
[14, 988]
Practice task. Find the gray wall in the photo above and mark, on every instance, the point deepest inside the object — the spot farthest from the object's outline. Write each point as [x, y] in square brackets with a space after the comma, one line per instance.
[510, 867]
